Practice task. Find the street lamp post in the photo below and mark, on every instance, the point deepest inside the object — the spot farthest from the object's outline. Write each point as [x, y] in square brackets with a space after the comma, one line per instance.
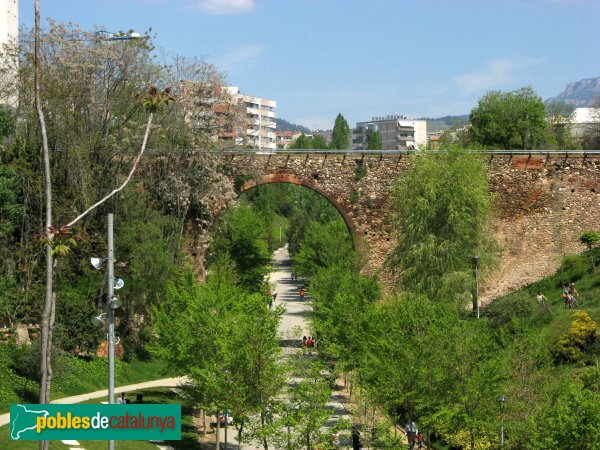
[476, 292]
[111, 318]
[501, 399]
[112, 303]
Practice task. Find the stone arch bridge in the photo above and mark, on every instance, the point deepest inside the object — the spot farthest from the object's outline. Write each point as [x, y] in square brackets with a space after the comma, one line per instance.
[545, 200]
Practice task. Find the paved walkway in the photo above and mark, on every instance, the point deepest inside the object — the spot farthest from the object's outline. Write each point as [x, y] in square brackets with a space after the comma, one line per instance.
[164, 382]
[293, 325]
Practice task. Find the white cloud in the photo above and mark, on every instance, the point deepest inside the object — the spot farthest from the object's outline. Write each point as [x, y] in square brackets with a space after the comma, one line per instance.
[499, 72]
[222, 7]
[239, 57]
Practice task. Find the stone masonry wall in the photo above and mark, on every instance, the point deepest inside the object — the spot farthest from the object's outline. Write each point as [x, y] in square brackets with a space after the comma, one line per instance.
[543, 204]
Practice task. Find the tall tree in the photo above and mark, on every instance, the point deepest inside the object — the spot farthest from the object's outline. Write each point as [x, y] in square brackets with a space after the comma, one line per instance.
[301, 142]
[319, 142]
[239, 234]
[340, 138]
[508, 120]
[442, 208]
[374, 140]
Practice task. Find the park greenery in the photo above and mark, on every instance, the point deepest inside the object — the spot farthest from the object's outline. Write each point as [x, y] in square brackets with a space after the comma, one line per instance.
[414, 353]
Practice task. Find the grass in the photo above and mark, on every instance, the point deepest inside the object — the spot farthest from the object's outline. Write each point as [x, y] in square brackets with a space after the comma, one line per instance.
[151, 396]
[557, 319]
[136, 371]
[90, 376]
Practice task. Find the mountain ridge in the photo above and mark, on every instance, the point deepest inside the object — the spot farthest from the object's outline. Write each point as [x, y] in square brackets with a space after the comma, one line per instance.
[580, 93]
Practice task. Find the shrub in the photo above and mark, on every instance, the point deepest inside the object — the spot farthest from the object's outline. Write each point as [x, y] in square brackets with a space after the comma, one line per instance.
[504, 310]
[580, 338]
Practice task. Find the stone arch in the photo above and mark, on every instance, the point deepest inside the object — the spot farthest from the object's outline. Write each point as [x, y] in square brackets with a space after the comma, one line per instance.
[292, 179]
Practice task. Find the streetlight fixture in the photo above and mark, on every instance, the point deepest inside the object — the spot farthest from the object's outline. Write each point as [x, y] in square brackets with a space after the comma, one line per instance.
[113, 303]
[98, 321]
[475, 261]
[501, 399]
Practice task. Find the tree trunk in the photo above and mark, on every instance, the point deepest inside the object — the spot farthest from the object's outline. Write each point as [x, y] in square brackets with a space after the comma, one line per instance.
[47, 313]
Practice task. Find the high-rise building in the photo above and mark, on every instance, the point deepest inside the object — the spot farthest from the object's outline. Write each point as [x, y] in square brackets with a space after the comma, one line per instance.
[9, 20]
[397, 133]
[258, 127]
[9, 32]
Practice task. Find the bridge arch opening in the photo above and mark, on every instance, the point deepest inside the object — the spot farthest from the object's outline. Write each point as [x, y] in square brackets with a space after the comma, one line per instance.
[292, 179]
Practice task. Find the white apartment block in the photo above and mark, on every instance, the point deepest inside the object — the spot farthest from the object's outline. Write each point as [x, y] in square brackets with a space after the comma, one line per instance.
[9, 32]
[9, 20]
[259, 127]
[583, 119]
[397, 133]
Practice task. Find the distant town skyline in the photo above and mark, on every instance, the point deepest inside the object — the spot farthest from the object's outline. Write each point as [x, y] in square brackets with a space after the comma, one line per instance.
[317, 58]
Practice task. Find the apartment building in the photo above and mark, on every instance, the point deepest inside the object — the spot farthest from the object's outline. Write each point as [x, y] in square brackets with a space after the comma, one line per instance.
[258, 126]
[9, 31]
[397, 133]
[9, 20]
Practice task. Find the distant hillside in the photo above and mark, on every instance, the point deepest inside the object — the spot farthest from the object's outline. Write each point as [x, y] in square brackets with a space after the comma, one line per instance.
[284, 125]
[445, 123]
[581, 94]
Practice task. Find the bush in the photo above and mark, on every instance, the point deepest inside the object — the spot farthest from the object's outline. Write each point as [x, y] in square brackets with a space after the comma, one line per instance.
[573, 268]
[504, 310]
[10, 382]
[579, 340]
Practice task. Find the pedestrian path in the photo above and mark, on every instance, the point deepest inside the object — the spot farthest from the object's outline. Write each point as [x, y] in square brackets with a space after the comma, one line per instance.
[293, 326]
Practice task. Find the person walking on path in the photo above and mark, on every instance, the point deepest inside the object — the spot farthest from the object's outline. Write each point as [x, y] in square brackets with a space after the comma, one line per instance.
[411, 433]
[541, 298]
[420, 440]
[301, 292]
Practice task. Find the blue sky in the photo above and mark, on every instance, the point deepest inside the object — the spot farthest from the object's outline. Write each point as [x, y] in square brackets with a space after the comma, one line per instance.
[366, 58]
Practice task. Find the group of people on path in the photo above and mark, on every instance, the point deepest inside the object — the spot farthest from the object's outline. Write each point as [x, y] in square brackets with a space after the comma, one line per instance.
[308, 343]
[569, 296]
[414, 435]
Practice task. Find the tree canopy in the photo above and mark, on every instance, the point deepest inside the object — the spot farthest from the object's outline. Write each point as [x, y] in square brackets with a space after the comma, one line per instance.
[509, 120]
[340, 138]
[442, 208]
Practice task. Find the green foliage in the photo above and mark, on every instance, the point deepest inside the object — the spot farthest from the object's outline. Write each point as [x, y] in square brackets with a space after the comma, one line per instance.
[374, 140]
[11, 384]
[360, 171]
[306, 143]
[11, 203]
[319, 142]
[73, 312]
[442, 207]
[238, 234]
[508, 120]
[504, 310]
[582, 335]
[233, 359]
[302, 142]
[324, 246]
[340, 137]
[7, 123]
[590, 238]
[571, 418]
